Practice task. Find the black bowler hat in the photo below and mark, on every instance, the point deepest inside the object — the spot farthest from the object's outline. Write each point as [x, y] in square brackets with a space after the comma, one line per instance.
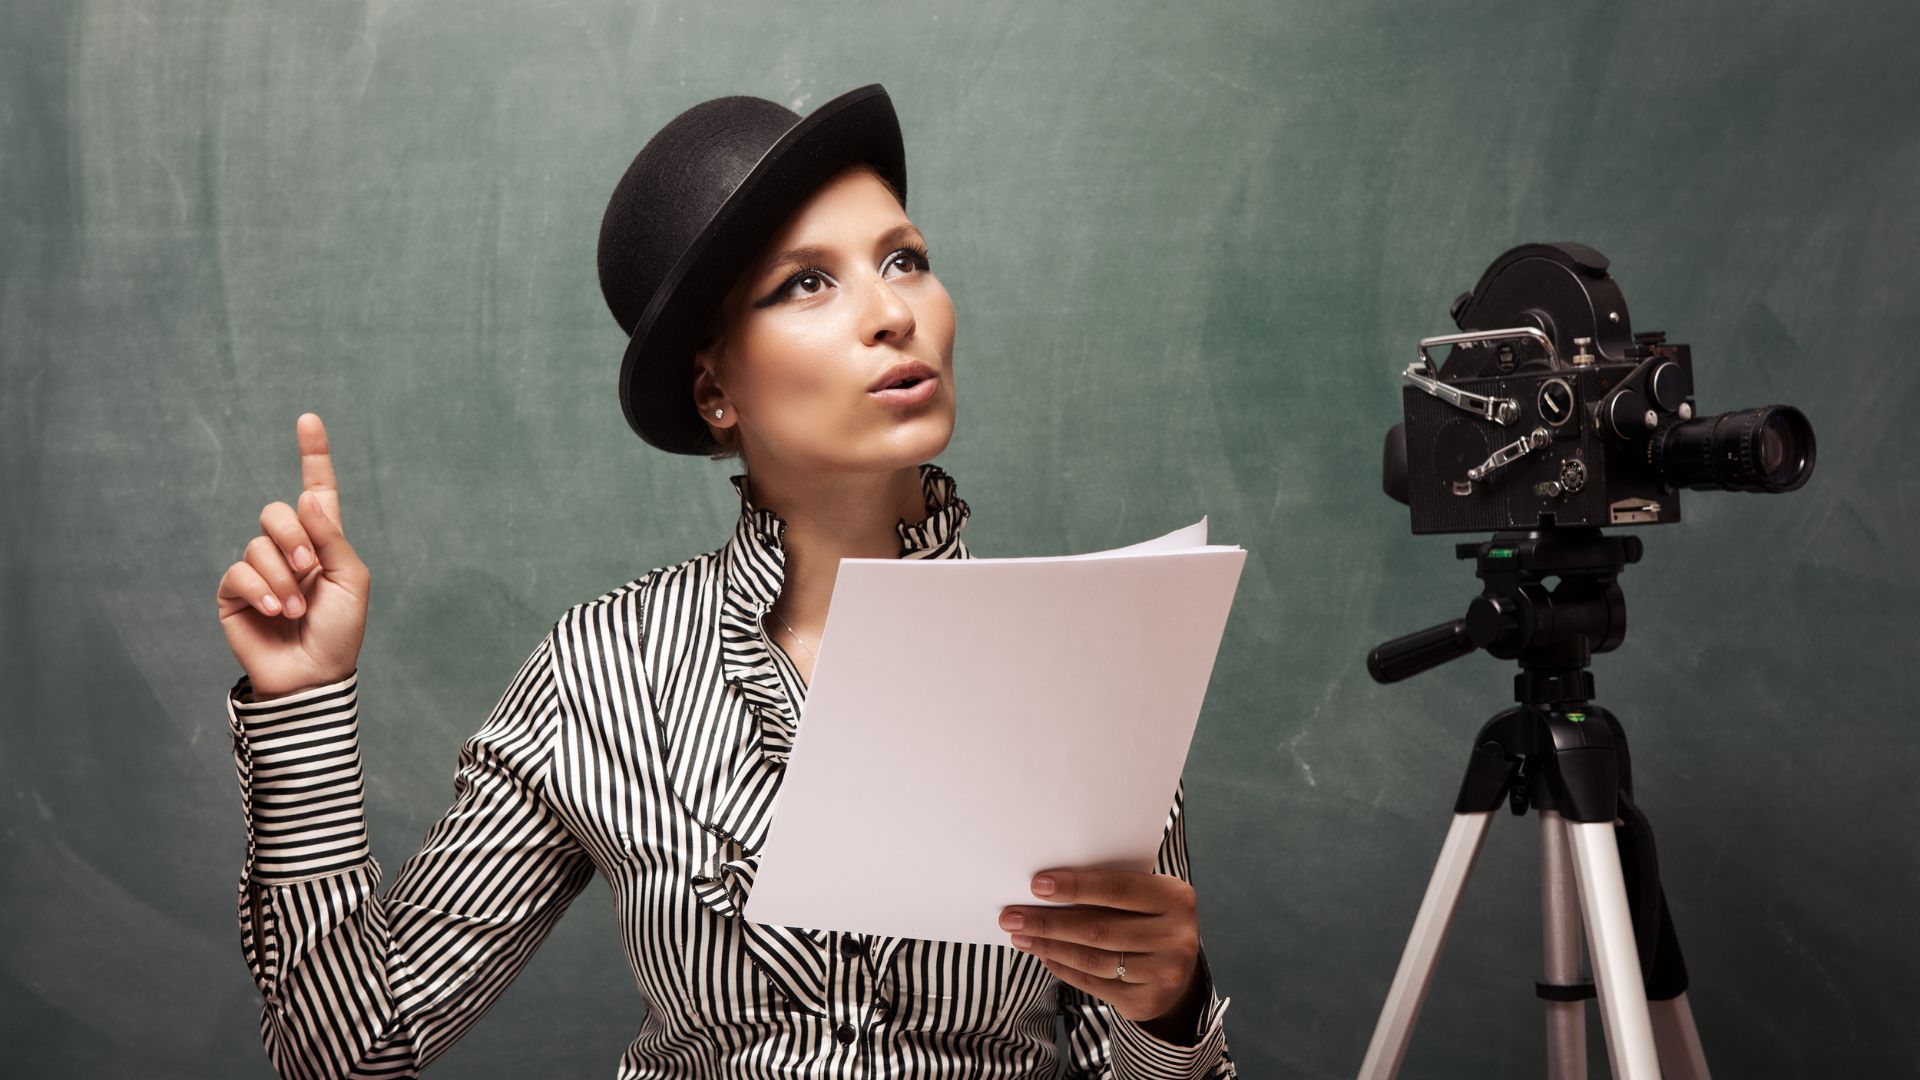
[699, 202]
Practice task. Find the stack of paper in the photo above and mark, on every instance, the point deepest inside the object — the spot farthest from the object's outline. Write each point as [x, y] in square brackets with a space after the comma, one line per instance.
[970, 722]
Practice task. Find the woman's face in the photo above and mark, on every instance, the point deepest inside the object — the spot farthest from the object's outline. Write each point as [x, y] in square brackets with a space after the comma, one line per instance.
[834, 304]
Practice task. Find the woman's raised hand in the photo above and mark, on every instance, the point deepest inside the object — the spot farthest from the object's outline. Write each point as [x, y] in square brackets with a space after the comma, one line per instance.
[295, 606]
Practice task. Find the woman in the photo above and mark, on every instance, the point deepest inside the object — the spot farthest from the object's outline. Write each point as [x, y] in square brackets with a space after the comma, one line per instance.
[780, 306]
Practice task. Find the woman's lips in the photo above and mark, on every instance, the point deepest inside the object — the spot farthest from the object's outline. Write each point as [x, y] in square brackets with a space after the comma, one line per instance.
[917, 394]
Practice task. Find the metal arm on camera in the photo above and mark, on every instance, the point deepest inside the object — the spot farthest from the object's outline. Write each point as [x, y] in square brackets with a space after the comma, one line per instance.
[1498, 410]
[1538, 337]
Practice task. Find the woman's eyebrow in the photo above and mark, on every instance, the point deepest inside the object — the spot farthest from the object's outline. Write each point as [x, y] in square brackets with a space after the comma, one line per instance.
[810, 254]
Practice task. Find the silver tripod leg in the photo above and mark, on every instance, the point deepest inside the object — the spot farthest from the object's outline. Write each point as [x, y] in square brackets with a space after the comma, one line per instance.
[1616, 961]
[1681, 1054]
[1415, 974]
[1560, 945]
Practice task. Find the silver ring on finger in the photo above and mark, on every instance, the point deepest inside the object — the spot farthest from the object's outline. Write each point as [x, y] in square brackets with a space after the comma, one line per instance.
[1120, 967]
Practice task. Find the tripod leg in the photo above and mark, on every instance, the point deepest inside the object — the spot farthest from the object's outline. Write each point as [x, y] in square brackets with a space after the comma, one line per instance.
[1616, 962]
[1410, 981]
[1681, 1054]
[1560, 945]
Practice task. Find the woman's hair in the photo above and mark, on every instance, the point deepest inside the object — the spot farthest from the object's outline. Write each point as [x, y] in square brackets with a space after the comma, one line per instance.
[728, 438]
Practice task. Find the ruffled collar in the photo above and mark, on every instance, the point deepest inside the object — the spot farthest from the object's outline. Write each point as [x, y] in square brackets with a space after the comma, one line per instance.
[760, 531]
[754, 568]
[729, 784]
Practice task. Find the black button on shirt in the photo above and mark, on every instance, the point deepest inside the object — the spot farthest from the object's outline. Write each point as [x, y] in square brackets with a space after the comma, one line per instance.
[845, 1033]
[851, 947]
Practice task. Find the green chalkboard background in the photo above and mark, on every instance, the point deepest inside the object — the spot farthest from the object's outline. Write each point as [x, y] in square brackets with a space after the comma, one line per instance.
[1191, 246]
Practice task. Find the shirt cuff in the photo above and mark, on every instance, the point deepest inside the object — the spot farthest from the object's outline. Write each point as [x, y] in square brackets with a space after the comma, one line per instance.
[298, 760]
[1138, 1053]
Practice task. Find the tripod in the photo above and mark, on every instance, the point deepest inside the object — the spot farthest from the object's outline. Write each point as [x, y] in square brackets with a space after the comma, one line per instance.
[1566, 759]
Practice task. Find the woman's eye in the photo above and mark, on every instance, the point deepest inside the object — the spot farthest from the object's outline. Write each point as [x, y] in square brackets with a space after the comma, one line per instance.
[908, 259]
[803, 283]
[815, 282]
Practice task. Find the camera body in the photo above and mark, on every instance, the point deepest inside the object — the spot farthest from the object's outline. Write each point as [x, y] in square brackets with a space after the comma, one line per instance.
[1548, 411]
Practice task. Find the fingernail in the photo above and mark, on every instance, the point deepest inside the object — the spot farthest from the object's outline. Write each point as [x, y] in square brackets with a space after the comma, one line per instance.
[296, 606]
[1012, 920]
[1022, 941]
[302, 558]
[1043, 886]
[271, 603]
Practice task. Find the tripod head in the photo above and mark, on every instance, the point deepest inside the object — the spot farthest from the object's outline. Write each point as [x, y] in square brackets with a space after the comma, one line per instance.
[1553, 632]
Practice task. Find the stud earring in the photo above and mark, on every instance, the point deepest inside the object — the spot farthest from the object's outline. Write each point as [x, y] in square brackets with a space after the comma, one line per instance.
[716, 414]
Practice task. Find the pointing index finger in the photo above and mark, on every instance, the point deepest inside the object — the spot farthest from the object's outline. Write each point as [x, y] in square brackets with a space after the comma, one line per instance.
[316, 464]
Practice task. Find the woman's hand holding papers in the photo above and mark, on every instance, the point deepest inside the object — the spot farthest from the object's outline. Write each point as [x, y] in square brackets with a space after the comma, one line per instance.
[1152, 920]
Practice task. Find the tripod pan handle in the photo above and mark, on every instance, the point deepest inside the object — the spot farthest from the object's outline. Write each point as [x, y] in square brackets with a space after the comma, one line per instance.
[1405, 657]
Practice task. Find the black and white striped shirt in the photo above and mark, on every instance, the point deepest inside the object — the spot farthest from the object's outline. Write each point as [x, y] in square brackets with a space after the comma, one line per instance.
[643, 739]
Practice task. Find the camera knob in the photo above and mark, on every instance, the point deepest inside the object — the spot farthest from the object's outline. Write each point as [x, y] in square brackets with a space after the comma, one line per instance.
[1491, 620]
[1669, 386]
[1629, 416]
[1573, 474]
[1555, 401]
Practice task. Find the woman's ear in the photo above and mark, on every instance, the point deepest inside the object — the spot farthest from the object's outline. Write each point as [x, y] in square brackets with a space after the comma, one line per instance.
[708, 395]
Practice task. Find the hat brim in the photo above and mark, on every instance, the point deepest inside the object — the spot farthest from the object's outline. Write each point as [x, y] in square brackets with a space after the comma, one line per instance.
[656, 374]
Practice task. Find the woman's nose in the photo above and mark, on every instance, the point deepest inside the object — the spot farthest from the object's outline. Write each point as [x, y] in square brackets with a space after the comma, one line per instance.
[888, 315]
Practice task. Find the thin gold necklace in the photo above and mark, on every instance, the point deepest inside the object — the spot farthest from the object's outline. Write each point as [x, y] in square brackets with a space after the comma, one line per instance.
[796, 637]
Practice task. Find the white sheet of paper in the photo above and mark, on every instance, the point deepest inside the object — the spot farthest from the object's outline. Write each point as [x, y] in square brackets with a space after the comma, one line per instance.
[971, 722]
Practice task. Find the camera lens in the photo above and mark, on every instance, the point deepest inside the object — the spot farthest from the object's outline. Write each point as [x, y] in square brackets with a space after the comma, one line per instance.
[1766, 449]
[1776, 445]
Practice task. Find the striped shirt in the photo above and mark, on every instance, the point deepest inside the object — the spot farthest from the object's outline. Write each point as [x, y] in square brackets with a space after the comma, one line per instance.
[643, 739]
